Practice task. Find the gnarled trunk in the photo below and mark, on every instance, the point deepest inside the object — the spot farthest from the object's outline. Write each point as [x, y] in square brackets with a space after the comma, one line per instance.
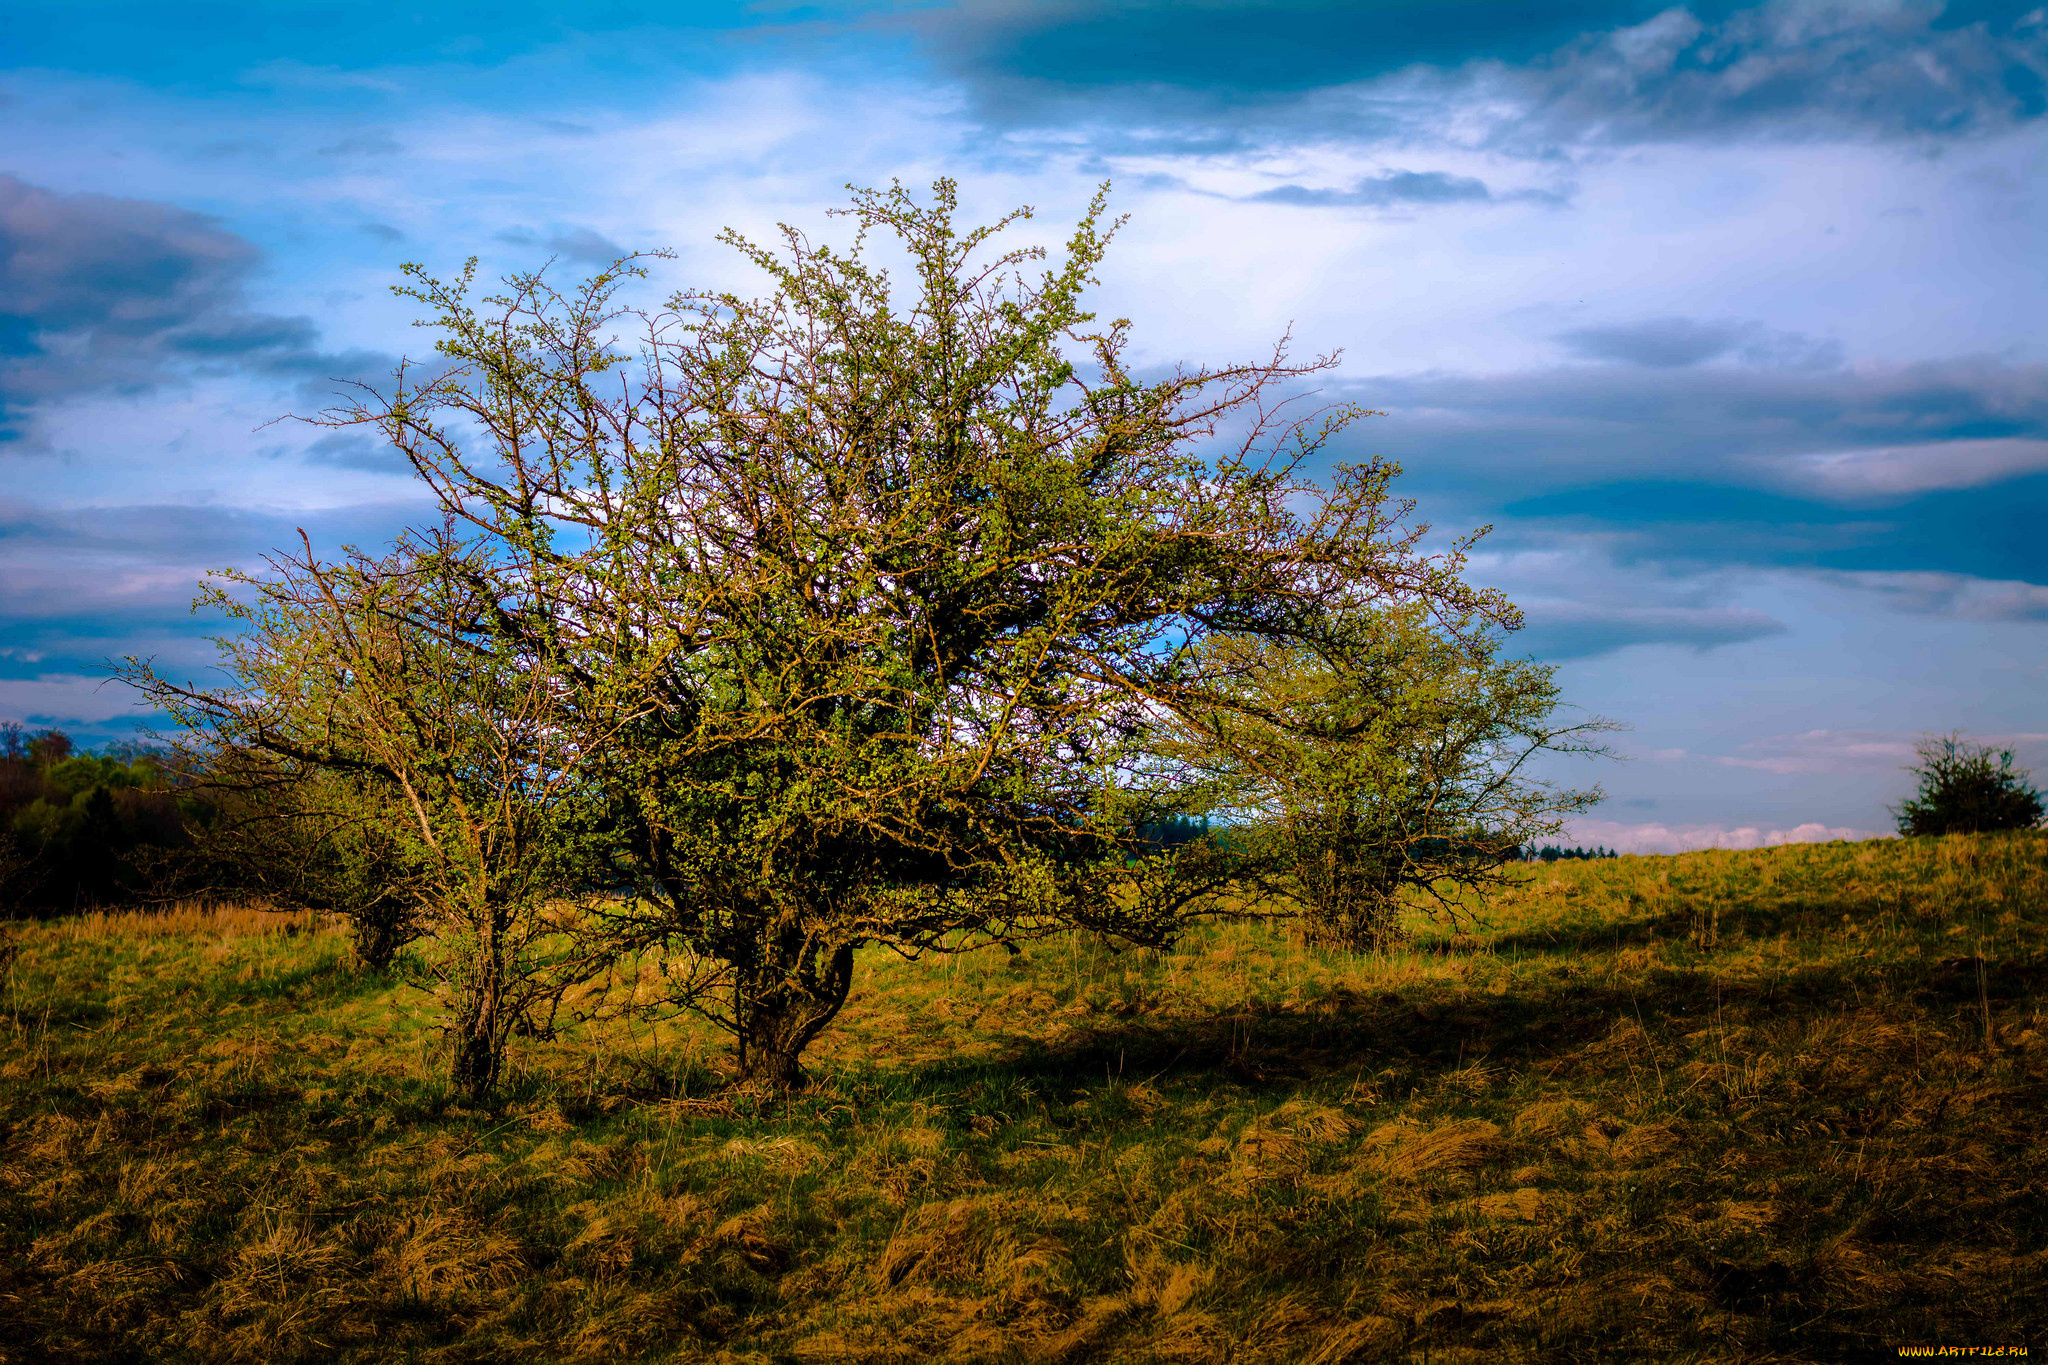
[782, 1009]
[476, 1043]
[1359, 924]
[478, 1025]
[378, 937]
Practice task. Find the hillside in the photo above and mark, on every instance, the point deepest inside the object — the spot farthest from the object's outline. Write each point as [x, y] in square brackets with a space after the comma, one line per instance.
[1778, 1105]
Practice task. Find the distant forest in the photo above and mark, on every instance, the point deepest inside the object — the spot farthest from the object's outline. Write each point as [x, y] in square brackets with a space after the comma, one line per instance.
[79, 828]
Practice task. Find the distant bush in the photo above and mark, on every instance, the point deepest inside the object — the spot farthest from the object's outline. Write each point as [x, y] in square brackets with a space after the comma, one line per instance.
[1967, 788]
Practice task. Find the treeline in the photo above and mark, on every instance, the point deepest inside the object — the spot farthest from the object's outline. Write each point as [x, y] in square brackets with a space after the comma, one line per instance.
[79, 828]
[1551, 853]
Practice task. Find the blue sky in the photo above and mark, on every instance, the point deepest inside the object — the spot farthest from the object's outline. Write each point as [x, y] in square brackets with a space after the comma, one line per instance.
[1728, 318]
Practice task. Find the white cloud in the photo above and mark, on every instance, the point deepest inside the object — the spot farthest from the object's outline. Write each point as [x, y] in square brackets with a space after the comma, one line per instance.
[1886, 471]
[1952, 595]
[1566, 630]
[286, 73]
[1662, 838]
[1824, 751]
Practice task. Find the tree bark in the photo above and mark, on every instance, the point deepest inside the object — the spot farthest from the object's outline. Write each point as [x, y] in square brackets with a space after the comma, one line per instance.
[780, 1017]
[377, 941]
[476, 1045]
[1351, 897]
[477, 1032]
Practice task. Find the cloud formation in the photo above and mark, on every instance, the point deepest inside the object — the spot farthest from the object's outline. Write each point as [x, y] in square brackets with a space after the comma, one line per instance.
[1523, 79]
[1674, 343]
[1383, 191]
[1955, 596]
[1655, 837]
[1824, 751]
[99, 293]
[1580, 630]
[1880, 472]
[1875, 469]
[353, 450]
[1794, 70]
[60, 567]
[1769, 420]
[369, 143]
[81, 586]
[577, 243]
[94, 289]
[1640, 530]
[1243, 47]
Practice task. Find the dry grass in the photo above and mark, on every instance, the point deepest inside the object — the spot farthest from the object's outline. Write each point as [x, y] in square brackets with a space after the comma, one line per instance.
[1761, 1106]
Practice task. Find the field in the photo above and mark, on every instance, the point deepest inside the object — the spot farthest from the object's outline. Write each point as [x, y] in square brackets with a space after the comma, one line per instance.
[1782, 1105]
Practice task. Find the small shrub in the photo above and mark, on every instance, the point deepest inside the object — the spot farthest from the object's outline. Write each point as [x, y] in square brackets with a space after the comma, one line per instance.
[1967, 788]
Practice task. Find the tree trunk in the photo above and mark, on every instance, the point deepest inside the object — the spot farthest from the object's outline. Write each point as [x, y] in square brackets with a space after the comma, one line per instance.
[1360, 924]
[769, 1058]
[377, 941]
[475, 1055]
[1351, 900]
[476, 1043]
[780, 1017]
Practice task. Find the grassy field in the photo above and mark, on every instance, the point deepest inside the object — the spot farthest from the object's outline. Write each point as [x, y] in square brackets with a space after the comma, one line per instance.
[1782, 1105]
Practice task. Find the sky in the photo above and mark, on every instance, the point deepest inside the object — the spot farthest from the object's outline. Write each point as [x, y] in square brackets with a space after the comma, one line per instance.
[1727, 319]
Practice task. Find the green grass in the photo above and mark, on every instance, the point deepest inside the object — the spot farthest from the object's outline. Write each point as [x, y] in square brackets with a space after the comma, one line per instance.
[1782, 1105]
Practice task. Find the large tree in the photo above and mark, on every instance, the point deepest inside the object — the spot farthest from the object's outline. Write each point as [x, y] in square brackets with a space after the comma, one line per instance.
[863, 601]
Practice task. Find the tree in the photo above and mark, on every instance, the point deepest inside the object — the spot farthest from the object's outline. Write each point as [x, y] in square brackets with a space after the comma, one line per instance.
[1967, 788]
[1388, 756]
[860, 615]
[49, 748]
[382, 686]
[324, 840]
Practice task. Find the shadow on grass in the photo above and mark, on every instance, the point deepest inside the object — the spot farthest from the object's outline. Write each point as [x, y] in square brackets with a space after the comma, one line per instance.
[334, 979]
[1347, 1034]
[1278, 1048]
[1736, 920]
